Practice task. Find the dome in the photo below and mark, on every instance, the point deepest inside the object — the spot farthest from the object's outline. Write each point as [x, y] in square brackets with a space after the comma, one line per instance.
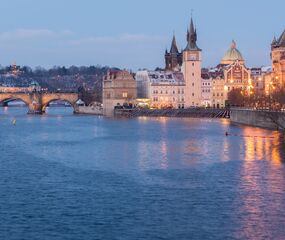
[232, 55]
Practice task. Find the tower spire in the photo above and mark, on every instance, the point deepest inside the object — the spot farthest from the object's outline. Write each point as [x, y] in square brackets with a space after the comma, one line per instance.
[192, 38]
[174, 48]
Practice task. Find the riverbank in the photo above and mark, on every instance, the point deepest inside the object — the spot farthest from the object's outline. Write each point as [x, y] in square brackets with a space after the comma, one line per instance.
[273, 120]
[191, 112]
[88, 110]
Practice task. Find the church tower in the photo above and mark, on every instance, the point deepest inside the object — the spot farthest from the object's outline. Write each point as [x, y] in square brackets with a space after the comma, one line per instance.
[191, 68]
[173, 58]
[278, 60]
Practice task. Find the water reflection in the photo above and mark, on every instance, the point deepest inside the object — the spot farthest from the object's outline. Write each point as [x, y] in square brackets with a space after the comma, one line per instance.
[261, 144]
[260, 182]
[182, 176]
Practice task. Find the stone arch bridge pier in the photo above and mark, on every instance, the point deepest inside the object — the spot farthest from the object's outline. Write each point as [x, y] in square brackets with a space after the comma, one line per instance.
[38, 101]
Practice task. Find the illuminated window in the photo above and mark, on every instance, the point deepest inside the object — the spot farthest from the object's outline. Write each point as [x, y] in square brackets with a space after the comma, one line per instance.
[125, 94]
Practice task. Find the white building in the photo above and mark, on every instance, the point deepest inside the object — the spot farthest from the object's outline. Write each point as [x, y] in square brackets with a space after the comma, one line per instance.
[206, 91]
[163, 89]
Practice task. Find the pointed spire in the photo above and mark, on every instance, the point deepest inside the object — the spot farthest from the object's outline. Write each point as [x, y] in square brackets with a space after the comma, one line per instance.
[192, 38]
[191, 30]
[233, 44]
[174, 48]
[281, 40]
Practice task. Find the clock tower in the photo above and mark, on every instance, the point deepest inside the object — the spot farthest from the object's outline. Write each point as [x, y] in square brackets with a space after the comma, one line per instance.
[191, 69]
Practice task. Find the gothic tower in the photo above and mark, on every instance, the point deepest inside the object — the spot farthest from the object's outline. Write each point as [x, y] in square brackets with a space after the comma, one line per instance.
[173, 58]
[191, 69]
[278, 60]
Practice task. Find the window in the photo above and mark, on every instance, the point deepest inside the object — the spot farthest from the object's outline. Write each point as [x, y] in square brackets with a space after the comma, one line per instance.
[192, 94]
[193, 64]
[173, 92]
[125, 94]
[222, 94]
[193, 74]
[192, 84]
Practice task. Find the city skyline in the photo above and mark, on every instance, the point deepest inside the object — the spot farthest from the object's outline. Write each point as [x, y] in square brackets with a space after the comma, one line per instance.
[71, 33]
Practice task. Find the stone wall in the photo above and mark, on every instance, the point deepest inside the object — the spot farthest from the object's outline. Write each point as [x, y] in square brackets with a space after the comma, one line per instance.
[88, 110]
[258, 118]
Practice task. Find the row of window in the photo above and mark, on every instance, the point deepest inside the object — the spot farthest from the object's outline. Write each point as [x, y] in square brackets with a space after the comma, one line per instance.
[166, 92]
[206, 90]
[218, 94]
[156, 99]
[206, 84]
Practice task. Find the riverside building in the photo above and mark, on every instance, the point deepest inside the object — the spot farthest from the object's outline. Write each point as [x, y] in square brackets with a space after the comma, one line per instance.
[119, 88]
[161, 89]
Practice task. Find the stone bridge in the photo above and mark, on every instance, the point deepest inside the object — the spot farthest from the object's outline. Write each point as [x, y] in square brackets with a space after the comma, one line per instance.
[38, 101]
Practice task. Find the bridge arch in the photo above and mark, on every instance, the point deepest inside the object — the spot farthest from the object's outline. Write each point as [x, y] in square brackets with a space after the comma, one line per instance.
[46, 104]
[70, 98]
[15, 97]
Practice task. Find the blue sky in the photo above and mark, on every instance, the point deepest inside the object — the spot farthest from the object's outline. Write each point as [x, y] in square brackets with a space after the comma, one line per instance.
[133, 34]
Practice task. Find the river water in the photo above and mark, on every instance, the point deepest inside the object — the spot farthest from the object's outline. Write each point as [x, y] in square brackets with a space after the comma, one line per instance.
[64, 176]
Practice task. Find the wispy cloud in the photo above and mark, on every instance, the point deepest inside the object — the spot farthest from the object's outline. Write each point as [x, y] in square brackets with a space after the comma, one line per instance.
[20, 34]
[124, 38]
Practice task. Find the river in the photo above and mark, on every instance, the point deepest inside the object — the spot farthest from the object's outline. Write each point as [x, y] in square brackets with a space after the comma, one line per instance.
[65, 176]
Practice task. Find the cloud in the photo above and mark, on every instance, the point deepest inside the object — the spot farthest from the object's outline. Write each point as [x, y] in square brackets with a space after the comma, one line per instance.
[124, 38]
[22, 34]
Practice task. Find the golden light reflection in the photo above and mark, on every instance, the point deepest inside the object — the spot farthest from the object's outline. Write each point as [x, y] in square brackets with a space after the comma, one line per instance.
[259, 145]
[259, 182]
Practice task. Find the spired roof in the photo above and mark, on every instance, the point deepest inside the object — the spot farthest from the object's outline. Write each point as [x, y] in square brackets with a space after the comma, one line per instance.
[174, 48]
[192, 38]
[233, 54]
[281, 40]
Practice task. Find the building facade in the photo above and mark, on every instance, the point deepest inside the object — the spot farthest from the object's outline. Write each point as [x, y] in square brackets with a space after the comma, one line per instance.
[119, 89]
[163, 89]
[206, 88]
[232, 74]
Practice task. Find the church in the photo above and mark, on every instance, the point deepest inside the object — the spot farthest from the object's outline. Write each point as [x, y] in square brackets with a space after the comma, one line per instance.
[233, 75]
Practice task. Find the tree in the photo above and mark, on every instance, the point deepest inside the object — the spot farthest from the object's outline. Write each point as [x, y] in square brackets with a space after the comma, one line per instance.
[236, 97]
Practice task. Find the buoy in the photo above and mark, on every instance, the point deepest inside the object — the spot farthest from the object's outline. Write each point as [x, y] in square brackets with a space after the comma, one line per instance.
[14, 122]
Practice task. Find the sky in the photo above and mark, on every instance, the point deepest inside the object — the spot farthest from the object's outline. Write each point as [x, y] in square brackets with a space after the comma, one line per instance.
[133, 34]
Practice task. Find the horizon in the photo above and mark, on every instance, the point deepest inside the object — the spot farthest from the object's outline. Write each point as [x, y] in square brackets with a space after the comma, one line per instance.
[91, 34]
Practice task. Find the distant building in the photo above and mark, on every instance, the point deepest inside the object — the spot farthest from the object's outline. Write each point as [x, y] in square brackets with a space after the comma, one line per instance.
[219, 93]
[119, 89]
[231, 74]
[206, 90]
[163, 89]
[173, 58]
[278, 60]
